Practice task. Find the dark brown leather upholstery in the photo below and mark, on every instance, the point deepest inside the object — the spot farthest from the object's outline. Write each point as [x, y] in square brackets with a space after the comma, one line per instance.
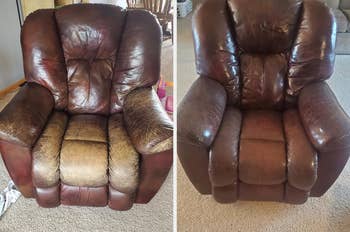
[280, 135]
[327, 127]
[48, 197]
[195, 138]
[88, 129]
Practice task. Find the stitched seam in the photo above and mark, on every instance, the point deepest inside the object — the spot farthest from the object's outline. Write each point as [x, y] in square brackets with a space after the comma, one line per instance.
[121, 39]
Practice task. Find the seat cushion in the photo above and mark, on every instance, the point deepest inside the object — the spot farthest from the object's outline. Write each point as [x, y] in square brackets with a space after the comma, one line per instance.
[72, 157]
[262, 159]
[84, 163]
[84, 153]
[262, 124]
[87, 127]
[262, 162]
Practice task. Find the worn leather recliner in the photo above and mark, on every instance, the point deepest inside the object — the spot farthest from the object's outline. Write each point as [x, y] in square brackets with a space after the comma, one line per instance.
[264, 123]
[88, 129]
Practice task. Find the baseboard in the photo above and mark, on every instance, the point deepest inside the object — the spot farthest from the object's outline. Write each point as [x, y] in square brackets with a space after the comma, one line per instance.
[11, 87]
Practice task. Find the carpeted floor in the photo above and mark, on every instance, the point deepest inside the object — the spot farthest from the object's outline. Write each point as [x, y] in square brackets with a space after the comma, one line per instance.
[26, 216]
[201, 213]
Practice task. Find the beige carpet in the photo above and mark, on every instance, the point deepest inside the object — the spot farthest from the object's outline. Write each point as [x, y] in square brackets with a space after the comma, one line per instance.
[26, 216]
[201, 213]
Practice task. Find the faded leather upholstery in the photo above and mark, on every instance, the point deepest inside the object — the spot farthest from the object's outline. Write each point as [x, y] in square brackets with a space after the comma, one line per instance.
[263, 123]
[149, 127]
[88, 129]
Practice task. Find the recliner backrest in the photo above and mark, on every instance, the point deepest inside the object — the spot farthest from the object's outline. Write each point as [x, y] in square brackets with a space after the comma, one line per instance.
[264, 52]
[90, 56]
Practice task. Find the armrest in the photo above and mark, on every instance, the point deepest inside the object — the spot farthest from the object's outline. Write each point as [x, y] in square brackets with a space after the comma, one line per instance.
[21, 123]
[148, 124]
[201, 111]
[199, 117]
[328, 128]
[151, 132]
[23, 119]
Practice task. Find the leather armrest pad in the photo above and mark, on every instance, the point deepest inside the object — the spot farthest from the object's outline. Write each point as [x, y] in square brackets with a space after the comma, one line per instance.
[201, 111]
[325, 122]
[24, 117]
[148, 124]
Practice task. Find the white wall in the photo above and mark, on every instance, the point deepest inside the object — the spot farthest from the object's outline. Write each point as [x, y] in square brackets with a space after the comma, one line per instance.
[11, 69]
[121, 3]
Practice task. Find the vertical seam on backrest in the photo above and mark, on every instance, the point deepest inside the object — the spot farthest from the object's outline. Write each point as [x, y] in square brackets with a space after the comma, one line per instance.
[58, 32]
[295, 33]
[116, 59]
[232, 30]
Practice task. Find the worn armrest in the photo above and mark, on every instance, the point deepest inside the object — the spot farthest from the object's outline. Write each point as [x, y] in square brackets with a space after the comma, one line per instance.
[199, 117]
[328, 128]
[151, 132]
[148, 124]
[23, 119]
[21, 123]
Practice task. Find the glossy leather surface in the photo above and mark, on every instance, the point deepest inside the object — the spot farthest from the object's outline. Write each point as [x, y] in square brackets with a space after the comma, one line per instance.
[60, 136]
[18, 162]
[217, 53]
[223, 157]
[153, 171]
[48, 197]
[264, 26]
[89, 71]
[327, 127]
[205, 95]
[289, 138]
[84, 196]
[263, 81]
[301, 156]
[120, 201]
[195, 138]
[43, 58]
[312, 56]
[138, 57]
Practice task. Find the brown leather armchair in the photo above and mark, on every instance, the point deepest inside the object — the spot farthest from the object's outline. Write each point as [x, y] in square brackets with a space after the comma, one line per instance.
[264, 125]
[88, 129]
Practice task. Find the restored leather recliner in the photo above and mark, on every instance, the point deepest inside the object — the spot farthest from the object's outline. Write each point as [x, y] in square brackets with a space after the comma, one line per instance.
[88, 129]
[264, 125]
